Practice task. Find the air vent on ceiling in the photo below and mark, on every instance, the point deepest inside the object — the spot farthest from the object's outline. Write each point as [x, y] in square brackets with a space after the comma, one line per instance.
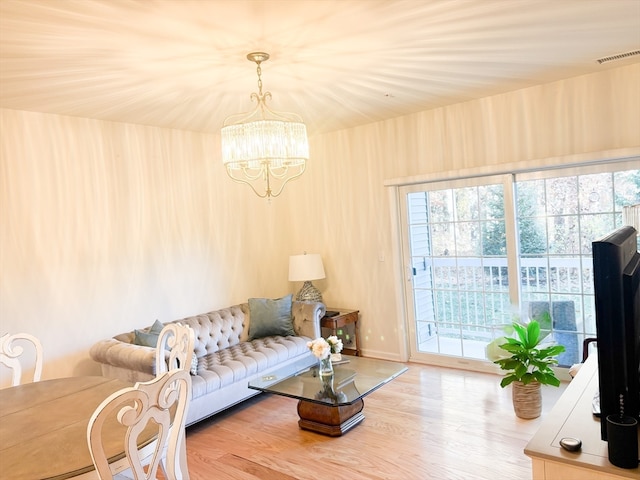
[619, 56]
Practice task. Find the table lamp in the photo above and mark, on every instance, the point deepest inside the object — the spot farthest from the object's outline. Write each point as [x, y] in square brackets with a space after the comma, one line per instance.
[304, 268]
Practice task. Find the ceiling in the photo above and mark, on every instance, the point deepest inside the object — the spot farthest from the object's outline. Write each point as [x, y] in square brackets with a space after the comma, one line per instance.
[338, 63]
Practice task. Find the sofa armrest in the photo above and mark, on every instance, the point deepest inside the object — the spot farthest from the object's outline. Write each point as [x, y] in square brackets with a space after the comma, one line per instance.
[306, 318]
[125, 355]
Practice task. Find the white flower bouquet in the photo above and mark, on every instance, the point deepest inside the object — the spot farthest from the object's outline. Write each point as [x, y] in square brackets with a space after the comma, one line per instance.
[335, 344]
[322, 348]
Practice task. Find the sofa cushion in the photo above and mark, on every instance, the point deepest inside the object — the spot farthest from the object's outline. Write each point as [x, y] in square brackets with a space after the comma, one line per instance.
[270, 317]
[148, 338]
[240, 362]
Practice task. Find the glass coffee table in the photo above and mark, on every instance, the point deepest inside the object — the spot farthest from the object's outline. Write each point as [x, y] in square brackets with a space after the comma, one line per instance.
[331, 406]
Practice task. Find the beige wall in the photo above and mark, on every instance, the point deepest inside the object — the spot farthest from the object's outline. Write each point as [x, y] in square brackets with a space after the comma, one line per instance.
[107, 226]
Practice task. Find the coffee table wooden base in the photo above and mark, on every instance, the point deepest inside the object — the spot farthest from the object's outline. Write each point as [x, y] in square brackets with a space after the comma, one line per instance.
[329, 420]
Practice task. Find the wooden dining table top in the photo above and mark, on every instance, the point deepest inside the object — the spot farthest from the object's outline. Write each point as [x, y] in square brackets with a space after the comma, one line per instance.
[43, 428]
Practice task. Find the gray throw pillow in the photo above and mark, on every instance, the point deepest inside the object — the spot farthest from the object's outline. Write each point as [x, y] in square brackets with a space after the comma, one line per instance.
[150, 337]
[270, 317]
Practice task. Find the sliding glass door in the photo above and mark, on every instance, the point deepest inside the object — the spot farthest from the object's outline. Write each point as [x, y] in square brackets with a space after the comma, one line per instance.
[479, 251]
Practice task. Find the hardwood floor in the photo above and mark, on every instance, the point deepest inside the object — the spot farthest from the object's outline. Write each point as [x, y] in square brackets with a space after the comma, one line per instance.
[429, 423]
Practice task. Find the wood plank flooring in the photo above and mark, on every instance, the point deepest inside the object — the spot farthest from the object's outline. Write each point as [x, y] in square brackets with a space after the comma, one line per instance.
[429, 423]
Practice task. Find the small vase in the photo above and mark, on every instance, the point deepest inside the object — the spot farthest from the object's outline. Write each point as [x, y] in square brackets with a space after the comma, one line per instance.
[336, 357]
[527, 399]
[326, 368]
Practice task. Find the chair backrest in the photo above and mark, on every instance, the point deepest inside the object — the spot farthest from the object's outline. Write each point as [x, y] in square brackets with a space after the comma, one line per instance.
[11, 353]
[174, 348]
[160, 404]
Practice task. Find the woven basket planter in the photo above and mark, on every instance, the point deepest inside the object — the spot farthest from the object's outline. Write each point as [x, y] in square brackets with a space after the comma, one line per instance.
[527, 399]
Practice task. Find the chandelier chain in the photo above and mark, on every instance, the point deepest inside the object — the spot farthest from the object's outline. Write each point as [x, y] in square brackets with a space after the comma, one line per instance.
[259, 70]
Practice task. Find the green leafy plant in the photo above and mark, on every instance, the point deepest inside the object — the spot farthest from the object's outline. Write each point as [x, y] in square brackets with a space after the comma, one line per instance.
[526, 361]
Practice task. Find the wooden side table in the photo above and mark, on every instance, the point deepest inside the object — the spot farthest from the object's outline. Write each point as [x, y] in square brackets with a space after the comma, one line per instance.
[345, 317]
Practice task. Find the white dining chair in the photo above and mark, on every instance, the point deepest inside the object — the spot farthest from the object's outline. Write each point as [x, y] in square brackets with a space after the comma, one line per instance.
[162, 403]
[175, 348]
[12, 355]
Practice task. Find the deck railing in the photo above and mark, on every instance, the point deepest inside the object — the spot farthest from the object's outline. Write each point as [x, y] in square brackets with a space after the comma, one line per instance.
[468, 297]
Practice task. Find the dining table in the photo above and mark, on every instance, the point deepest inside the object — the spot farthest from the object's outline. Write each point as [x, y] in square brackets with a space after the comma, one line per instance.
[43, 428]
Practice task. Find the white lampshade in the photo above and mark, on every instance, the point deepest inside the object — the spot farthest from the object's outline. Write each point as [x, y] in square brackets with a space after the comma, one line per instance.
[305, 267]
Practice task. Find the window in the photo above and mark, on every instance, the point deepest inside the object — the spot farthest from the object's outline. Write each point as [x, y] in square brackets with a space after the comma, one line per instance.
[483, 250]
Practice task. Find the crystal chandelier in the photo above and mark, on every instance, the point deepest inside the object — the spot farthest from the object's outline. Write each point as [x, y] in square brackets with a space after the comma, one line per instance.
[263, 148]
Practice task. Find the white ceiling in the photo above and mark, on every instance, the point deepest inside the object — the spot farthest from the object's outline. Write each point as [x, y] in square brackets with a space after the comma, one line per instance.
[338, 63]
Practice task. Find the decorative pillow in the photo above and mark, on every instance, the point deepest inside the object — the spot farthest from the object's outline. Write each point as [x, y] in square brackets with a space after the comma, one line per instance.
[270, 317]
[149, 338]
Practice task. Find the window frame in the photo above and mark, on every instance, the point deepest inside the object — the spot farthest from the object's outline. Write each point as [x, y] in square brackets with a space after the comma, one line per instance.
[475, 178]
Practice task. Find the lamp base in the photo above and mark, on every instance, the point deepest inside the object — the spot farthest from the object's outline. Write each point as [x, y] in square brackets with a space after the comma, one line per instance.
[309, 293]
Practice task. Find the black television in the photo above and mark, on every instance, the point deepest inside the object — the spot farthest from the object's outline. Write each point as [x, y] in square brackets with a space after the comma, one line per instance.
[616, 277]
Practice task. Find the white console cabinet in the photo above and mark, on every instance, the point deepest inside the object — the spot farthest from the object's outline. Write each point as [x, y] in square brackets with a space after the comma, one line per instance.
[572, 417]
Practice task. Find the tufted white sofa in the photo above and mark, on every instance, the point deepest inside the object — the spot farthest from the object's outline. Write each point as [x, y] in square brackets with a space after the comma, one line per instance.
[227, 360]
